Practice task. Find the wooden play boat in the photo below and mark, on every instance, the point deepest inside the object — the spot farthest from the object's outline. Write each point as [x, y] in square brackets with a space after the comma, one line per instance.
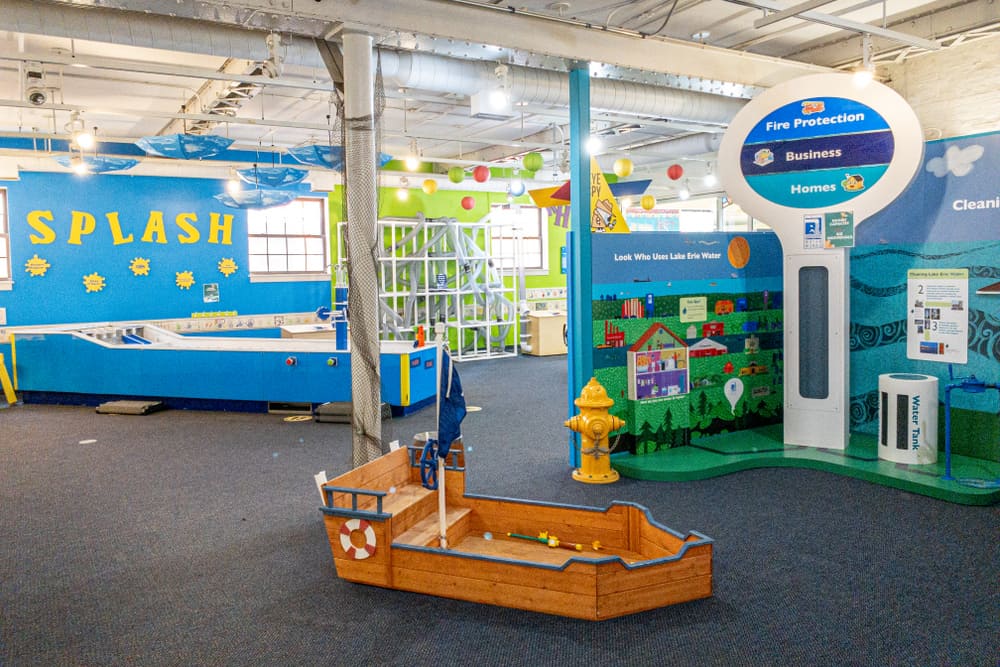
[384, 531]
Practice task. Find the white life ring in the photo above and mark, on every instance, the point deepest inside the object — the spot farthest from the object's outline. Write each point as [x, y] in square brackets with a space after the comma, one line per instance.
[354, 552]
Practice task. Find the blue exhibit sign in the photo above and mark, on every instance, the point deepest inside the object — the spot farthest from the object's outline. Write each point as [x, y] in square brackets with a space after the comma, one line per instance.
[816, 152]
[816, 143]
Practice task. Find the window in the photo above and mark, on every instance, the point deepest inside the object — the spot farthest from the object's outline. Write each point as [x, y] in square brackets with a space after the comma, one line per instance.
[289, 242]
[5, 270]
[527, 221]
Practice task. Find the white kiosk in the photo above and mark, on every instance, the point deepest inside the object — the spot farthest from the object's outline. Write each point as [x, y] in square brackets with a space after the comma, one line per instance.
[812, 158]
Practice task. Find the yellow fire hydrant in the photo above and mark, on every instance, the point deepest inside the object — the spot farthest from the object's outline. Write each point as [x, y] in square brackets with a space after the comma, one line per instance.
[594, 423]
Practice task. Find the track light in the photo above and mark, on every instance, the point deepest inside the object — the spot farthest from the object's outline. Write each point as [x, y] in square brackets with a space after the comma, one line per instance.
[864, 73]
[710, 180]
[233, 184]
[80, 136]
[78, 165]
[412, 161]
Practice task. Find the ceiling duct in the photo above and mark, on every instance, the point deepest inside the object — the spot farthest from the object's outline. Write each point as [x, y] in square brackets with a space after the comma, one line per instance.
[411, 70]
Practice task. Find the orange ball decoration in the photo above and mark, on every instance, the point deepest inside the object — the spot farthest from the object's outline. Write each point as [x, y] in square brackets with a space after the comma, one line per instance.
[481, 173]
[675, 171]
[468, 203]
[738, 252]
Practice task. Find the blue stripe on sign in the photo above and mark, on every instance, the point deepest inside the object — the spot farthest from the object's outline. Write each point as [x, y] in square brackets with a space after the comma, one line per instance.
[815, 189]
[845, 151]
[816, 117]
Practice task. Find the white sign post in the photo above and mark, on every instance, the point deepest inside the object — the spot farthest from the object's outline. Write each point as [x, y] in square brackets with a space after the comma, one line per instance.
[807, 154]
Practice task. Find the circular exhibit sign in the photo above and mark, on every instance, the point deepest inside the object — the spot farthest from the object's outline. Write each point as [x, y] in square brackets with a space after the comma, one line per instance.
[817, 143]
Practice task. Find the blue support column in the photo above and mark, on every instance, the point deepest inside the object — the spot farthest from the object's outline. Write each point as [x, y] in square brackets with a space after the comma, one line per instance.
[578, 279]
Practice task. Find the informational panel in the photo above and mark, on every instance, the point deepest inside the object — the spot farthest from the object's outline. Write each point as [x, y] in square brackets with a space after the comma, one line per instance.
[938, 319]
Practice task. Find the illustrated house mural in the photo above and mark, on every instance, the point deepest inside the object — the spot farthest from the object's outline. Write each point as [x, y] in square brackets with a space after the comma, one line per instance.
[707, 347]
[657, 365]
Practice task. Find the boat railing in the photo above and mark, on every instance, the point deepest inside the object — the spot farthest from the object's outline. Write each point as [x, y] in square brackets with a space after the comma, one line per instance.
[354, 512]
[452, 461]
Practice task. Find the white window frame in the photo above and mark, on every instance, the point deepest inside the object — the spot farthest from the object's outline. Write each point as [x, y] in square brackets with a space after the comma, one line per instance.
[280, 216]
[528, 242]
[6, 262]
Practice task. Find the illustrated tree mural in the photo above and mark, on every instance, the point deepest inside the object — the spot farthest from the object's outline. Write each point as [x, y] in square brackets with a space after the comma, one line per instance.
[646, 440]
[667, 439]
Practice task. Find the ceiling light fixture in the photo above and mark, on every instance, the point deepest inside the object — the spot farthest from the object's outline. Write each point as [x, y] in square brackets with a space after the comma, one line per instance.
[864, 73]
[412, 161]
[80, 136]
[78, 165]
[710, 180]
[684, 193]
[233, 182]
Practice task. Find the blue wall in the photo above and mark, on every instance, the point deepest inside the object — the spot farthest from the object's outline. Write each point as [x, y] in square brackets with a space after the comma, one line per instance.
[949, 218]
[42, 208]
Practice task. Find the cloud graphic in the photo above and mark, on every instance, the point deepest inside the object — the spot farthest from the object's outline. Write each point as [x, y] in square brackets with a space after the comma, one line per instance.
[956, 160]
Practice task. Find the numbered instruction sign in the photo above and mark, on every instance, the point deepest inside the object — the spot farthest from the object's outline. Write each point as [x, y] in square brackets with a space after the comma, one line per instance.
[937, 301]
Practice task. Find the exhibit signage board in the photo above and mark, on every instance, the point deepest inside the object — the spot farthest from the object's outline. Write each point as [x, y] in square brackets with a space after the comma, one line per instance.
[937, 326]
[813, 157]
[819, 144]
[816, 152]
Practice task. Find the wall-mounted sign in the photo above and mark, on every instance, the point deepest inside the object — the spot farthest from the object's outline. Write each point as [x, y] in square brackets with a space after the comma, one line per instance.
[838, 229]
[937, 323]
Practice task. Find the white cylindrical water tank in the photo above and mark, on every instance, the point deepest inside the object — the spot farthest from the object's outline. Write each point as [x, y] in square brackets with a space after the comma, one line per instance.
[908, 418]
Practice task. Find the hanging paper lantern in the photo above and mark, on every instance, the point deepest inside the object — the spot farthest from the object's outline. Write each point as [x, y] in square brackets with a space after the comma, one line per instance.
[456, 174]
[675, 171]
[430, 186]
[516, 187]
[623, 167]
[468, 203]
[481, 174]
[647, 202]
[533, 161]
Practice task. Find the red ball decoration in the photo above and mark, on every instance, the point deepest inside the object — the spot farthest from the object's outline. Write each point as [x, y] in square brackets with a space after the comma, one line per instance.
[481, 173]
[675, 171]
[468, 203]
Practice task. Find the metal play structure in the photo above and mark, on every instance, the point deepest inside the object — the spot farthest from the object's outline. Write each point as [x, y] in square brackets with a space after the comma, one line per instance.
[465, 275]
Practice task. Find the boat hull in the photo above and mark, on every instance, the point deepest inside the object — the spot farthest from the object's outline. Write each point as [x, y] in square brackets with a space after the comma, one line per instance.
[639, 565]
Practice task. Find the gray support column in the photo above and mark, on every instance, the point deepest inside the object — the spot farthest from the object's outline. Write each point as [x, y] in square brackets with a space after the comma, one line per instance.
[361, 191]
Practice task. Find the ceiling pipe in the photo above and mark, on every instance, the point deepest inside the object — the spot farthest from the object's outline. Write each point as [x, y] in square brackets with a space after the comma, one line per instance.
[419, 71]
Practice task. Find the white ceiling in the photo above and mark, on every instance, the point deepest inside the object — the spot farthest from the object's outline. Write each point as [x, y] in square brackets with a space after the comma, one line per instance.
[667, 75]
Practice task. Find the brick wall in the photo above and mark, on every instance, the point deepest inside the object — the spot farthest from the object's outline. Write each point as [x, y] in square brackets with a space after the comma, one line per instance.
[955, 91]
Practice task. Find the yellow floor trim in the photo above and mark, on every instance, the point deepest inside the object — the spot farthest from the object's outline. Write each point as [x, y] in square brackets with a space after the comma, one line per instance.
[8, 388]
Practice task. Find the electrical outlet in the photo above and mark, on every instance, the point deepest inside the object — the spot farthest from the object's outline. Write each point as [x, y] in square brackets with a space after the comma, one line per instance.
[3, 316]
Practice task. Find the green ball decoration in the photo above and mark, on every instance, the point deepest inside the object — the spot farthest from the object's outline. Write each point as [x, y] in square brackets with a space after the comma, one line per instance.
[533, 161]
[456, 174]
